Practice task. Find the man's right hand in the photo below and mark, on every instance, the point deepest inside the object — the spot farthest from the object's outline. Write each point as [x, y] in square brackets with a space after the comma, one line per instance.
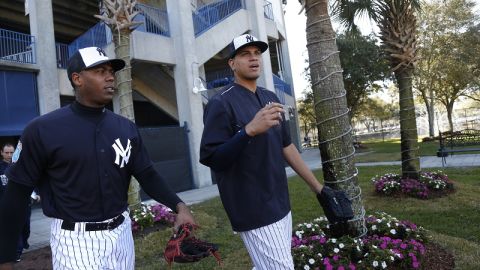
[267, 117]
[6, 266]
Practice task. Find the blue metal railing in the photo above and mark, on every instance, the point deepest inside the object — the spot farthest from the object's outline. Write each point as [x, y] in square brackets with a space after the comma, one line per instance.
[17, 47]
[207, 16]
[61, 51]
[219, 78]
[154, 20]
[281, 88]
[268, 10]
[99, 35]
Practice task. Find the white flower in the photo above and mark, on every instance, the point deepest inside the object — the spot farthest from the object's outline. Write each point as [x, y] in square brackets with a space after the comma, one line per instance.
[374, 227]
[375, 263]
[388, 224]
[384, 265]
[336, 250]
[341, 245]
[306, 267]
[358, 248]
[334, 240]
[311, 261]
[309, 225]
[320, 255]
[379, 221]
[393, 231]
[374, 246]
[392, 258]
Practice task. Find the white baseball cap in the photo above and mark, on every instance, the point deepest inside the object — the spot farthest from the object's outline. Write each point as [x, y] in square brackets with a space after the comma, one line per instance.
[90, 57]
[245, 40]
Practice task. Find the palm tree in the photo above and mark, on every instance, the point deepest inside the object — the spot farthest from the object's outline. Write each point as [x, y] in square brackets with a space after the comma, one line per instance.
[118, 15]
[331, 110]
[397, 23]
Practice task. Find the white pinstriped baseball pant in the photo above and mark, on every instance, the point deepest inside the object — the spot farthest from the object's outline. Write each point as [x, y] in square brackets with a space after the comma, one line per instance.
[270, 246]
[92, 250]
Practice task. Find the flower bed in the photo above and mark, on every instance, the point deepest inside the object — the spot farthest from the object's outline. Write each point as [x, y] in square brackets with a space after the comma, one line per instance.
[389, 243]
[147, 216]
[429, 184]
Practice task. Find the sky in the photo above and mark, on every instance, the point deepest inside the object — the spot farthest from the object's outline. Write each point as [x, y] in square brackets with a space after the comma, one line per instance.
[296, 37]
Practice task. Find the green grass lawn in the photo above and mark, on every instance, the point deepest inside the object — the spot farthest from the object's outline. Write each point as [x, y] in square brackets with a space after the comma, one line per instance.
[389, 150]
[453, 221]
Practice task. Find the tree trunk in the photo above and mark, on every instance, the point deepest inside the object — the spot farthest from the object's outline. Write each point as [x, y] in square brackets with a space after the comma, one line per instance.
[450, 115]
[431, 114]
[334, 130]
[382, 130]
[124, 85]
[408, 125]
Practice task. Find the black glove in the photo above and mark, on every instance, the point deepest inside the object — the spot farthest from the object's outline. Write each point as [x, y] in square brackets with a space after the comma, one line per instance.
[336, 205]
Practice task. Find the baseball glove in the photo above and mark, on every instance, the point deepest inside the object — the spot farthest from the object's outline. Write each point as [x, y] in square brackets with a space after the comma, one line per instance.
[336, 205]
[184, 247]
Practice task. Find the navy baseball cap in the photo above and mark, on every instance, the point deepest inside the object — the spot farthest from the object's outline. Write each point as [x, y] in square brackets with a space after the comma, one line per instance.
[245, 40]
[90, 57]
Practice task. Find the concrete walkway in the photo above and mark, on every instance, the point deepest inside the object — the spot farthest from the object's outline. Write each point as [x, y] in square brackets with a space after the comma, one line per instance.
[40, 225]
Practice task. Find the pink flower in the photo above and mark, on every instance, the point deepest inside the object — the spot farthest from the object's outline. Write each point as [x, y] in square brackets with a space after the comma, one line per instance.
[341, 268]
[416, 265]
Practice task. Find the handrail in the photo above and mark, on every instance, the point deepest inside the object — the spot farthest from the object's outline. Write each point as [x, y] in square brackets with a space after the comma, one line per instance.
[281, 85]
[61, 51]
[99, 35]
[17, 47]
[219, 78]
[268, 10]
[209, 15]
[154, 20]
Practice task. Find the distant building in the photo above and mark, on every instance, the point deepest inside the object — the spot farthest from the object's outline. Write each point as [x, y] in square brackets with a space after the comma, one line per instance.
[180, 46]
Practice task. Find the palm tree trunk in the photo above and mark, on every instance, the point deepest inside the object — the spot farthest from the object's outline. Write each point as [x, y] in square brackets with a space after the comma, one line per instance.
[121, 40]
[118, 15]
[124, 77]
[408, 125]
[334, 129]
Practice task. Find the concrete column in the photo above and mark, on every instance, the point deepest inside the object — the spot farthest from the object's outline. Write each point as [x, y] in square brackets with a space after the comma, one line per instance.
[259, 30]
[190, 108]
[41, 26]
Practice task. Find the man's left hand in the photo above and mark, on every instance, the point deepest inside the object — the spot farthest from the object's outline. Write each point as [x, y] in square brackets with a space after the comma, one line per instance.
[184, 216]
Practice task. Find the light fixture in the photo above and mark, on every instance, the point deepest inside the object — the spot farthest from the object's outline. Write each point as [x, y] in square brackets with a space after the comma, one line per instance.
[198, 85]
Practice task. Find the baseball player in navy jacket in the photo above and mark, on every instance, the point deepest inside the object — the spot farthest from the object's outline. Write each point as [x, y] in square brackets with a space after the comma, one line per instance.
[81, 158]
[245, 142]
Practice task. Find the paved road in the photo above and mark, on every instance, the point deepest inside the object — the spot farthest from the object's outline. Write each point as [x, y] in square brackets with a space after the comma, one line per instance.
[40, 225]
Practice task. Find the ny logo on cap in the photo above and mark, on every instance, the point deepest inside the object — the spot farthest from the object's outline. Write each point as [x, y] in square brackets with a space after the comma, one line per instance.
[101, 52]
[249, 38]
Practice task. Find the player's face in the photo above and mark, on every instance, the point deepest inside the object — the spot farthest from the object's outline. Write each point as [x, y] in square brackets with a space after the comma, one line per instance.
[246, 63]
[96, 86]
[7, 153]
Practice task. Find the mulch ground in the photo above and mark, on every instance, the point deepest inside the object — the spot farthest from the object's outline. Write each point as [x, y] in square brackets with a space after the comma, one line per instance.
[435, 257]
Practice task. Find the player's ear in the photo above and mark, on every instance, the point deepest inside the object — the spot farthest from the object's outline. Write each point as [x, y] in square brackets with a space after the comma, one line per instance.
[231, 63]
[76, 79]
